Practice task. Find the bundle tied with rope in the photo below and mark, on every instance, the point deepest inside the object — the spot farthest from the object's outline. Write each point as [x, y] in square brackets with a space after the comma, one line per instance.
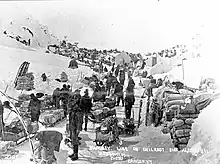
[26, 82]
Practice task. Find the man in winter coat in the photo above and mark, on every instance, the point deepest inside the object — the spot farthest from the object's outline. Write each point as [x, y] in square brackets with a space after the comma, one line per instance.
[64, 97]
[119, 94]
[86, 105]
[47, 142]
[131, 83]
[34, 108]
[122, 77]
[75, 122]
[109, 83]
[56, 98]
[103, 91]
[129, 102]
[113, 67]
[97, 94]
[117, 71]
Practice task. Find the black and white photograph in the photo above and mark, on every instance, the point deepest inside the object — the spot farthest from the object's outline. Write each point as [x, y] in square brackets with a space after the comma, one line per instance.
[109, 82]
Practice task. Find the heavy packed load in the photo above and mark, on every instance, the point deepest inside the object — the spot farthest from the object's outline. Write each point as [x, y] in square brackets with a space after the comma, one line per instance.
[99, 114]
[51, 117]
[127, 127]
[110, 103]
[7, 148]
[15, 130]
[107, 133]
[25, 82]
[178, 108]
[46, 102]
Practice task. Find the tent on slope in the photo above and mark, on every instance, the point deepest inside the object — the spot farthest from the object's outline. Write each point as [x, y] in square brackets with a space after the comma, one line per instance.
[122, 59]
[160, 68]
[73, 64]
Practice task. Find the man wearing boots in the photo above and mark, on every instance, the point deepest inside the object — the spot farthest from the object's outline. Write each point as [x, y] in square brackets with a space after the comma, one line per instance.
[129, 102]
[75, 123]
[119, 93]
[86, 105]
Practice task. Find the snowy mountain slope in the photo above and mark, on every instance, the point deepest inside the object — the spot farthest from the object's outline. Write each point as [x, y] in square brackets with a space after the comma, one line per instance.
[51, 64]
[19, 26]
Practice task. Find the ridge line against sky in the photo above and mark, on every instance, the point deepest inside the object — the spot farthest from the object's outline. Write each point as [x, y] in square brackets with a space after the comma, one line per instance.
[135, 26]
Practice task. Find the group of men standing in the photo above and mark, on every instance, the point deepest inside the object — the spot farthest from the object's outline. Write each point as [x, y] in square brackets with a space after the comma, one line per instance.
[129, 99]
[75, 108]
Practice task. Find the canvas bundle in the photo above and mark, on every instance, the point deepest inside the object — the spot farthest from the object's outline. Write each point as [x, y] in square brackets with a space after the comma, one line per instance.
[25, 83]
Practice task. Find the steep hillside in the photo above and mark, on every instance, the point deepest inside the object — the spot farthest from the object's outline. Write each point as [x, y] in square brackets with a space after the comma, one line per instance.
[52, 65]
[21, 30]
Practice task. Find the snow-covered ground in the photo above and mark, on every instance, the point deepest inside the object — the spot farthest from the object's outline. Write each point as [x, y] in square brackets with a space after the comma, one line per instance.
[40, 62]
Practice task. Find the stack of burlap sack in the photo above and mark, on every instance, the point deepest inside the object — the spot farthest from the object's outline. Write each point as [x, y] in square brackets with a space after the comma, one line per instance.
[184, 111]
[51, 117]
[26, 82]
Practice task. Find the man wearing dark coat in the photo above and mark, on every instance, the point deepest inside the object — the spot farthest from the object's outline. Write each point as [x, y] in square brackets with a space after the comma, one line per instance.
[129, 102]
[86, 105]
[131, 82]
[119, 93]
[56, 98]
[75, 122]
[34, 108]
[64, 97]
[122, 77]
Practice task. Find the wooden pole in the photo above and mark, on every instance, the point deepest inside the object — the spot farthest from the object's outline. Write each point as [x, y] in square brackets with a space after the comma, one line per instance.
[183, 69]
